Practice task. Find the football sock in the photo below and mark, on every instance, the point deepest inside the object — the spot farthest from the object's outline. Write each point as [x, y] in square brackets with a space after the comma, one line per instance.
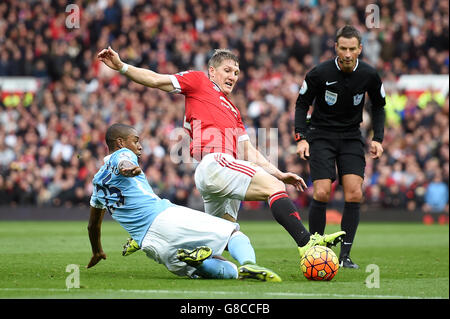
[317, 217]
[241, 249]
[349, 223]
[214, 268]
[286, 214]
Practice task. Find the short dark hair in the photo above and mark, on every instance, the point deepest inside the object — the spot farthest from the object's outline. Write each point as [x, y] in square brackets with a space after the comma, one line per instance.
[115, 131]
[221, 55]
[348, 32]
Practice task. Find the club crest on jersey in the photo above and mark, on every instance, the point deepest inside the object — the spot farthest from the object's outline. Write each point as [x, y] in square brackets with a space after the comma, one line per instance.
[357, 98]
[330, 97]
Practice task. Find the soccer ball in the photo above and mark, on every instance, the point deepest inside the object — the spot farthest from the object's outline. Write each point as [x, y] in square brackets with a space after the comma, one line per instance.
[319, 263]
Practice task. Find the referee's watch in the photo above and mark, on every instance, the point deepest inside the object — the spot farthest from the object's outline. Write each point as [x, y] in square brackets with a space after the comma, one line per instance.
[299, 136]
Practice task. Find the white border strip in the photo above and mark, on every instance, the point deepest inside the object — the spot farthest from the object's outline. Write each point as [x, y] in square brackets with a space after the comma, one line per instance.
[267, 294]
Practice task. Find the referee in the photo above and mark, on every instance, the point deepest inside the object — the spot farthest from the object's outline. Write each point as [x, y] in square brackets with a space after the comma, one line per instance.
[336, 88]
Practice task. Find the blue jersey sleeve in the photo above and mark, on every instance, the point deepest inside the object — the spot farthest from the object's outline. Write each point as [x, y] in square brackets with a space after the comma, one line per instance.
[125, 155]
[95, 202]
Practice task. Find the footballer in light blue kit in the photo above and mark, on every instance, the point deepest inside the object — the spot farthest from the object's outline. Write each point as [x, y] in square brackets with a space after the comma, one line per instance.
[188, 242]
[111, 188]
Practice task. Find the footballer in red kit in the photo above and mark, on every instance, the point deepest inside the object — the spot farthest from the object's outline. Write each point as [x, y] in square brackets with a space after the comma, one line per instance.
[213, 122]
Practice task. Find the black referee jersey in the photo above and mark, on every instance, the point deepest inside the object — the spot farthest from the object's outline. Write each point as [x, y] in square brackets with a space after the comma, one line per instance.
[338, 99]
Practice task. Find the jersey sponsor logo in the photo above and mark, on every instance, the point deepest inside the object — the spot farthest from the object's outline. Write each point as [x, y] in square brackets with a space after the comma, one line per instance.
[330, 97]
[357, 98]
[304, 88]
[330, 83]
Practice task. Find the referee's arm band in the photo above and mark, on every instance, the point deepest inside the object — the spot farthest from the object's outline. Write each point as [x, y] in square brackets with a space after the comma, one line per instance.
[299, 136]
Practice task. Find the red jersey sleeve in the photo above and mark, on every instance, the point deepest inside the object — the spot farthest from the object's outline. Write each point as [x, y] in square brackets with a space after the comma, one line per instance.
[187, 81]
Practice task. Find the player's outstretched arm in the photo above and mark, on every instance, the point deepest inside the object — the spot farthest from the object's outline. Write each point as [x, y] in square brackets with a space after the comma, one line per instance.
[94, 229]
[139, 75]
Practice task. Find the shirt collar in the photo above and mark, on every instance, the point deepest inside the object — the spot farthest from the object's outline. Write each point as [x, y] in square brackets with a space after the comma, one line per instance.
[216, 87]
[337, 64]
[106, 158]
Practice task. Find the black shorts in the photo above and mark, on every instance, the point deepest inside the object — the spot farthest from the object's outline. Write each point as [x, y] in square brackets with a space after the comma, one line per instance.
[344, 154]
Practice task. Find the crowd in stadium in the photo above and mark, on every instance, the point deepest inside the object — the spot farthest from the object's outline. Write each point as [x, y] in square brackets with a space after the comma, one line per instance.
[52, 143]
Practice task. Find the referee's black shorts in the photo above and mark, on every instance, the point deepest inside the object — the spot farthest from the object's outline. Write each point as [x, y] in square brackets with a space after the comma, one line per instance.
[342, 153]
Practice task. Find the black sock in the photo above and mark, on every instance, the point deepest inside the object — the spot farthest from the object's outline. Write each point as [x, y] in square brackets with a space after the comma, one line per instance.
[286, 214]
[349, 224]
[317, 217]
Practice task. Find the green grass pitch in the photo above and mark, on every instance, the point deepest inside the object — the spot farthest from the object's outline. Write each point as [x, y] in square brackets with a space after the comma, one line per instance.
[398, 261]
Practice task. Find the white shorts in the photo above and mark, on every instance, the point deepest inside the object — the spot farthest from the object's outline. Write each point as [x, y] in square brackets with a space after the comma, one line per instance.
[223, 181]
[182, 227]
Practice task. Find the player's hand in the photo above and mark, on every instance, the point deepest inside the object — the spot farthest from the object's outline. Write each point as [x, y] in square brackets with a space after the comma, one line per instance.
[376, 150]
[130, 171]
[295, 180]
[110, 58]
[303, 149]
[95, 259]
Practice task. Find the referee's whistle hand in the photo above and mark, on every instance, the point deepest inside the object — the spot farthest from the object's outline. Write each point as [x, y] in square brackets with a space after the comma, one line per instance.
[376, 150]
[303, 150]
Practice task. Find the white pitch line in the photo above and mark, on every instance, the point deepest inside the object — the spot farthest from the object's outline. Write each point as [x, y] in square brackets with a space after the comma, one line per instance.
[268, 294]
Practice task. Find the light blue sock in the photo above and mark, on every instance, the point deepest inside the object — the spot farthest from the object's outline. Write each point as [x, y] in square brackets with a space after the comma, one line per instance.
[241, 249]
[214, 268]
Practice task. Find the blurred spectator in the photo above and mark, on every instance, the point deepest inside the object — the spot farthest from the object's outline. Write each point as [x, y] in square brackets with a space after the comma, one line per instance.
[436, 196]
[52, 144]
[436, 206]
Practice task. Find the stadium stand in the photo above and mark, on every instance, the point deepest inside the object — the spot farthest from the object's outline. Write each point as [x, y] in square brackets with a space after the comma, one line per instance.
[52, 126]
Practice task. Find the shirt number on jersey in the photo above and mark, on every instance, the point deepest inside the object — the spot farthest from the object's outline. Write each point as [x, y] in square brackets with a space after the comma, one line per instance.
[110, 191]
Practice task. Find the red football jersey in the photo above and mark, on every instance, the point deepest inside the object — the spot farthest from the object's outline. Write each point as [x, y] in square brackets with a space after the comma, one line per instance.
[213, 122]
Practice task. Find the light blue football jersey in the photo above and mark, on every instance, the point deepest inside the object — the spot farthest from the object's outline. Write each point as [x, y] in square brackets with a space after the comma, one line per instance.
[130, 200]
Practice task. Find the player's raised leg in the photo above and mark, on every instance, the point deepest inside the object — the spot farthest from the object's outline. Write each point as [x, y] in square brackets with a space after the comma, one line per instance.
[266, 187]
